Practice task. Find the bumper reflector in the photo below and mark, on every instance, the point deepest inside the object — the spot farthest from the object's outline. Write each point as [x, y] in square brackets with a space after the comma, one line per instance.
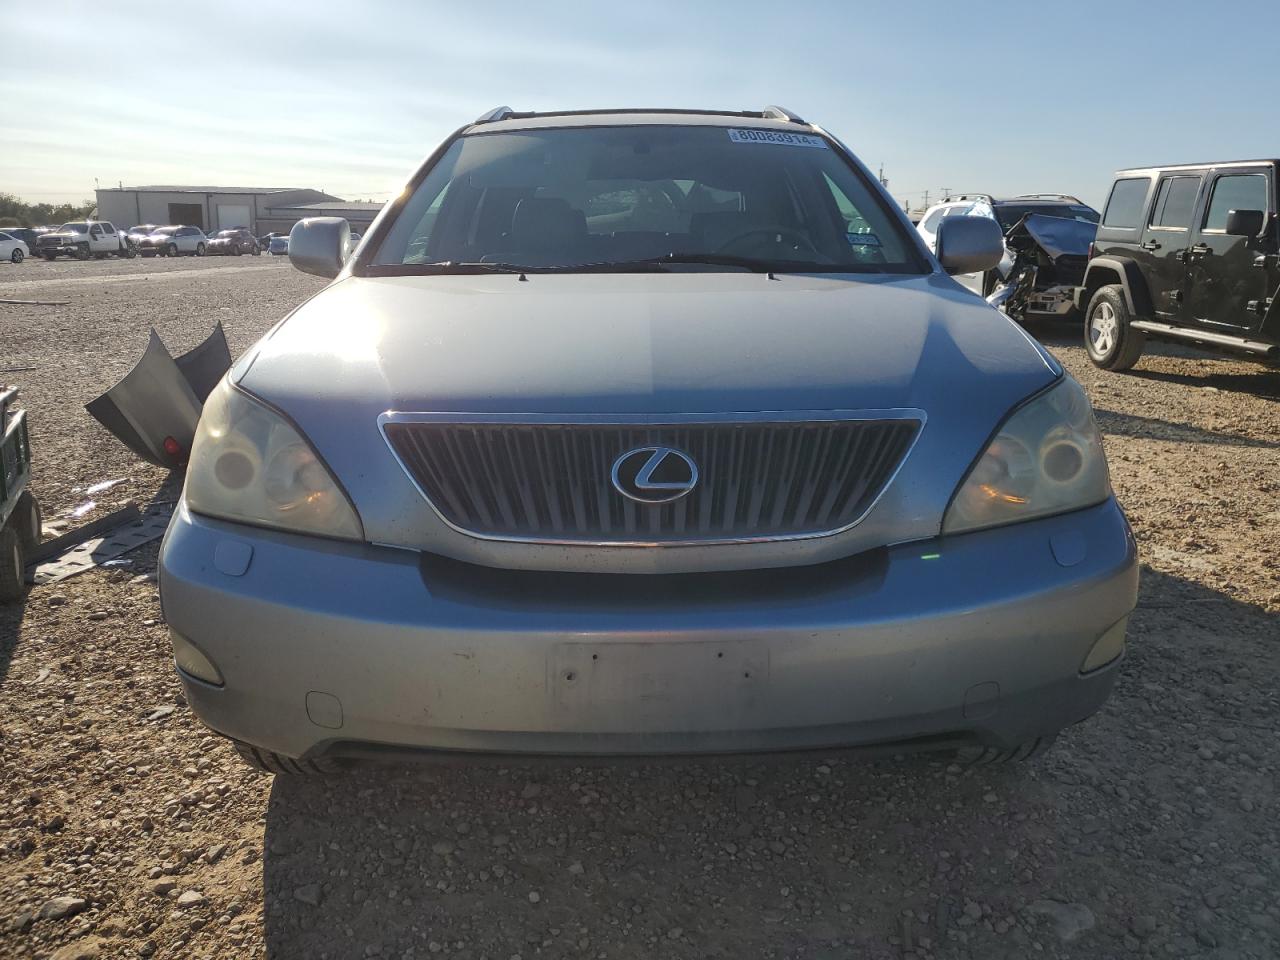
[1108, 646]
[191, 661]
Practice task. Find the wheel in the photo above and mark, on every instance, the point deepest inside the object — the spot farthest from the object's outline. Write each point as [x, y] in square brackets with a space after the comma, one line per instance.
[27, 520]
[126, 252]
[269, 762]
[235, 250]
[199, 249]
[82, 252]
[256, 250]
[50, 256]
[13, 564]
[171, 250]
[1109, 340]
[979, 756]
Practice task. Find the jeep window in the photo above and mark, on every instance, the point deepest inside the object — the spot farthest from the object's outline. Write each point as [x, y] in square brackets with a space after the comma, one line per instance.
[1124, 206]
[619, 197]
[1175, 202]
[1245, 191]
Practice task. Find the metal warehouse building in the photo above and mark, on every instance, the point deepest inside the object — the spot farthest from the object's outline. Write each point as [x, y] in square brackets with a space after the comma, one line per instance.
[261, 209]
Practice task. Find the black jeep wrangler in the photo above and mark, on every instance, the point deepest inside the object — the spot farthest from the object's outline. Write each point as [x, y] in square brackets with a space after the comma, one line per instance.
[1188, 254]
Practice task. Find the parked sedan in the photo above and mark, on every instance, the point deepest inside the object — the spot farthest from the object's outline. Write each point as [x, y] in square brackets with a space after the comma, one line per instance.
[173, 241]
[574, 485]
[12, 248]
[232, 243]
[27, 235]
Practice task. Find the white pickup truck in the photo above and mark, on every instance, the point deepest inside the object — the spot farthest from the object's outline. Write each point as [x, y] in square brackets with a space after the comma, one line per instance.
[83, 239]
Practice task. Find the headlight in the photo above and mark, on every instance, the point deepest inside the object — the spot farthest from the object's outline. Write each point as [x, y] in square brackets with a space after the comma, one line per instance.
[249, 465]
[1047, 458]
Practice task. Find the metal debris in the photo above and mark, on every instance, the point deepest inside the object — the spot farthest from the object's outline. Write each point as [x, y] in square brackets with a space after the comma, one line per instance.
[56, 545]
[38, 303]
[151, 525]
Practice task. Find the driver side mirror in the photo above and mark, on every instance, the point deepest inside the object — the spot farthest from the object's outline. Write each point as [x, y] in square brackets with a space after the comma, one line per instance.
[969, 244]
[318, 245]
[1244, 223]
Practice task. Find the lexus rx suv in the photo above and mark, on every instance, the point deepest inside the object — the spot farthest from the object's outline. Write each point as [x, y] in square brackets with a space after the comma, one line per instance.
[644, 432]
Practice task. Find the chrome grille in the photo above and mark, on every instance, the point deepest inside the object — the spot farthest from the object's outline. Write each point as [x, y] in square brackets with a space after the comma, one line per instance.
[550, 481]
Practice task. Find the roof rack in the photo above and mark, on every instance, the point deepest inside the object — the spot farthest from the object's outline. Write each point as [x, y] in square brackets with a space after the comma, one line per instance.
[774, 112]
[768, 113]
[497, 113]
[1048, 196]
[969, 196]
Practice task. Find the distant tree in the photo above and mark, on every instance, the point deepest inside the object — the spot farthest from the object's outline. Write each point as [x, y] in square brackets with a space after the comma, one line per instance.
[35, 214]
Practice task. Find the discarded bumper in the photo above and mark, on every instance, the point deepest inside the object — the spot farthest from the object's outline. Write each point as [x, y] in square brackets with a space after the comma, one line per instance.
[155, 407]
[335, 648]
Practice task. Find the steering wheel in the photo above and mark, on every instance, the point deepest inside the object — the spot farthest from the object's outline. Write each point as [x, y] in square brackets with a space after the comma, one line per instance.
[772, 235]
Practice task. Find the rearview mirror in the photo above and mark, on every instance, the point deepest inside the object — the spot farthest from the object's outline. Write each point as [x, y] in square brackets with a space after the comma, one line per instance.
[318, 245]
[969, 244]
[1244, 223]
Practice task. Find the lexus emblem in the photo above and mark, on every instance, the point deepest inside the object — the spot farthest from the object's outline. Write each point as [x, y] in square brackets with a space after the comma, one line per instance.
[654, 474]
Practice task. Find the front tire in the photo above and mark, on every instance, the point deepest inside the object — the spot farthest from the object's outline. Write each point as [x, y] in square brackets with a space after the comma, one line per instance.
[171, 250]
[1110, 341]
[17, 256]
[27, 520]
[82, 252]
[977, 756]
[268, 762]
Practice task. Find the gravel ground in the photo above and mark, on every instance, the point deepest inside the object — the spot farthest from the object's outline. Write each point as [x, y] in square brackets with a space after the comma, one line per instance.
[1151, 830]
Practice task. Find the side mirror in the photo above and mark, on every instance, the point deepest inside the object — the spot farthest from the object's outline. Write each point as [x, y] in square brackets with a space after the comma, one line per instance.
[1244, 223]
[969, 244]
[318, 245]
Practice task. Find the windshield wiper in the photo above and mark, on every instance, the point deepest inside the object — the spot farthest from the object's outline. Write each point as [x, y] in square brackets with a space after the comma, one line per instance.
[758, 266]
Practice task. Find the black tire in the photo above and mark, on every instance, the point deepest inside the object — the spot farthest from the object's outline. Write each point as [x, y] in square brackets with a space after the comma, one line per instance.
[50, 257]
[126, 252]
[199, 249]
[171, 250]
[235, 250]
[13, 565]
[978, 756]
[27, 520]
[269, 762]
[256, 250]
[1110, 341]
[82, 251]
[17, 256]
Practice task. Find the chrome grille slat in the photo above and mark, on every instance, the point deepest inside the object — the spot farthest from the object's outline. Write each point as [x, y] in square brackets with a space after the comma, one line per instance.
[536, 480]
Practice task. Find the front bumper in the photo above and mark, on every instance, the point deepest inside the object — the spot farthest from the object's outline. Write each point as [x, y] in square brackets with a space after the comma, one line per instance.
[333, 648]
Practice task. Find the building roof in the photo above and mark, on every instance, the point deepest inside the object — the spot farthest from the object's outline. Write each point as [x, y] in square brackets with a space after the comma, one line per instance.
[359, 205]
[154, 188]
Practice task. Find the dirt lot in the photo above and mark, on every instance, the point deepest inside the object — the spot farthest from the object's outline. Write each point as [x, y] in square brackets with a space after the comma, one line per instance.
[1152, 830]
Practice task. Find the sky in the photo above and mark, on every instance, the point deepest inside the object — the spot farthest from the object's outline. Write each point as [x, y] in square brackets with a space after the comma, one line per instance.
[1002, 97]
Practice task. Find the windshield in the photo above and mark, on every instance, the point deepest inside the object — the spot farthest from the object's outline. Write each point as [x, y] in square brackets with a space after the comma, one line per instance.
[142, 228]
[1010, 213]
[224, 234]
[612, 196]
[75, 227]
[166, 231]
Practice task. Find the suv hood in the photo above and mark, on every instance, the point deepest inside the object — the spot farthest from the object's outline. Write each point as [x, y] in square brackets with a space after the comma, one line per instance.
[641, 344]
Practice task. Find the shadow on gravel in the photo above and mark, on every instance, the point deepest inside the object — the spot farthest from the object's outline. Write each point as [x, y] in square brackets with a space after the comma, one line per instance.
[806, 856]
[1133, 425]
[1264, 384]
[10, 629]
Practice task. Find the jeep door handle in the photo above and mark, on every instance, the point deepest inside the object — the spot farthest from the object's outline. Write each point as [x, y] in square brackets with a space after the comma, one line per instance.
[1150, 245]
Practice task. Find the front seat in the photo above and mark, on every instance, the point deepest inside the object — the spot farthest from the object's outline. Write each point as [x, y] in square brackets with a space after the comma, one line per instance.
[548, 230]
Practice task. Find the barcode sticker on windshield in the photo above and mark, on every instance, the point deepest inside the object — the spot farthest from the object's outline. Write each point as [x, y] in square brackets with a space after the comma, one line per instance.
[782, 137]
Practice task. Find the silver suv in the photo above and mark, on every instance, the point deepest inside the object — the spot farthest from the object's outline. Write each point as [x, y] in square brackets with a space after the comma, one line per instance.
[644, 432]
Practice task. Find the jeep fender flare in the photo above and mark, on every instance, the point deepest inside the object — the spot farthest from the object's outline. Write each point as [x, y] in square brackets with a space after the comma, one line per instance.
[1124, 272]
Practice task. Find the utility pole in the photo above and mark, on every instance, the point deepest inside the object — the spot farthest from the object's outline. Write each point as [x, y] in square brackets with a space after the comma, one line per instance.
[926, 199]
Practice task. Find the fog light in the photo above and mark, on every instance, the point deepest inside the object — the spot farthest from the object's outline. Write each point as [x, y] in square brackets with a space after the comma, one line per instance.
[1109, 646]
[191, 661]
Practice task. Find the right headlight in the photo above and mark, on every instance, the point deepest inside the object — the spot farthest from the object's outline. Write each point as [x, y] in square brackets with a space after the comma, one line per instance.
[249, 464]
[1047, 458]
